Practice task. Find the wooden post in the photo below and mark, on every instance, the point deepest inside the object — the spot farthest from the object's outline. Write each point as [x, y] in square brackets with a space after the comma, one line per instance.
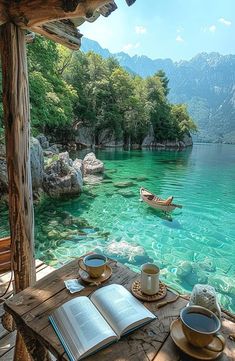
[17, 128]
[16, 120]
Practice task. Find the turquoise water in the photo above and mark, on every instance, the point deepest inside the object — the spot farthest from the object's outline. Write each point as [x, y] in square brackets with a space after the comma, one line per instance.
[195, 244]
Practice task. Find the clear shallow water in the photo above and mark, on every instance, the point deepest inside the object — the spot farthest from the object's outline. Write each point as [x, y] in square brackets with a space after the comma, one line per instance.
[193, 245]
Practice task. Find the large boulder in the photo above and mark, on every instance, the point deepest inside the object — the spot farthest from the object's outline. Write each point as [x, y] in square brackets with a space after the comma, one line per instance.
[37, 167]
[61, 177]
[78, 165]
[37, 163]
[92, 165]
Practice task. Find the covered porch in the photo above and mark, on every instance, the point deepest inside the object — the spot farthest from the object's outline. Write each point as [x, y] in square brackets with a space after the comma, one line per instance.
[58, 20]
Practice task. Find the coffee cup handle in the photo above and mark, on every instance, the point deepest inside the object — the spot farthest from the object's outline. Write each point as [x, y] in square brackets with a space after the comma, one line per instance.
[81, 264]
[222, 341]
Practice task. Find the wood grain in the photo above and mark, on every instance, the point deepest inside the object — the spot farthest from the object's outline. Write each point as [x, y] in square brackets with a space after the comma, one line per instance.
[63, 32]
[29, 13]
[17, 128]
[152, 342]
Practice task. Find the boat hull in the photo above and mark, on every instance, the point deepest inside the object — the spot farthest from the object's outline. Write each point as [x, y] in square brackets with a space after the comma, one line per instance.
[152, 203]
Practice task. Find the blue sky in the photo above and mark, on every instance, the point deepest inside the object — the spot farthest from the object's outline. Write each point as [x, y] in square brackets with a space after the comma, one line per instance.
[176, 29]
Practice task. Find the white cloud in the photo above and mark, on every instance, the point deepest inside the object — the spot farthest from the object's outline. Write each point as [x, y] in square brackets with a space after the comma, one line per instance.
[179, 29]
[212, 28]
[225, 22]
[179, 39]
[140, 29]
[130, 46]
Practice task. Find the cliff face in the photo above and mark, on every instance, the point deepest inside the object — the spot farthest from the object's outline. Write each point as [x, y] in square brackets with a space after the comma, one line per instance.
[106, 139]
[206, 84]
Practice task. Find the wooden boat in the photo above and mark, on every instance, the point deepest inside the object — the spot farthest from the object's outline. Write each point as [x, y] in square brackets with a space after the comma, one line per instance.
[154, 201]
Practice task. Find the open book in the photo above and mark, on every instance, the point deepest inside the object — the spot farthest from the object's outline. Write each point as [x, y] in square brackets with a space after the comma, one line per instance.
[85, 325]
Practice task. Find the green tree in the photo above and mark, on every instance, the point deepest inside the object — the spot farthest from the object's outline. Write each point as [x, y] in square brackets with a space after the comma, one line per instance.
[72, 89]
[51, 97]
[159, 108]
[164, 80]
[182, 122]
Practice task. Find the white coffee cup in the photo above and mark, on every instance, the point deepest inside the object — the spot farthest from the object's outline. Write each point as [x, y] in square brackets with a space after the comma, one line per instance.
[149, 279]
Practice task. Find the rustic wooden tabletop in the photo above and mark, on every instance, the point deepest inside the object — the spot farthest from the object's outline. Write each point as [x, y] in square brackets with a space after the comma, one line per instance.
[31, 307]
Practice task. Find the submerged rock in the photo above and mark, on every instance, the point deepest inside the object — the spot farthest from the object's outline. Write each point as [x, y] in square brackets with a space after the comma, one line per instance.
[126, 193]
[53, 234]
[191, 273]
[184, 269]
[93, 179]
[61, 178]
[124, 249]
[123, 184]
[139, 178]
[223, 284]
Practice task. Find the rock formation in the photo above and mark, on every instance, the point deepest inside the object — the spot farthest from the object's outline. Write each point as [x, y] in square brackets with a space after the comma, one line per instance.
[92, 165]
[61, 177]
[37, 163]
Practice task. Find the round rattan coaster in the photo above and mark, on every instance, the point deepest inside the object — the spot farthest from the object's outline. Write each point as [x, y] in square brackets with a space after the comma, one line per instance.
[136, 291]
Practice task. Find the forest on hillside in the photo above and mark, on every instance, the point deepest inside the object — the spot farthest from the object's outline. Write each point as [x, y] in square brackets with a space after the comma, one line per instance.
[73, 89]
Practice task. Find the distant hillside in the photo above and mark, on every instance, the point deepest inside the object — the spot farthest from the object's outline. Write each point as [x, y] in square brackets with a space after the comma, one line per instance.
[206, 83]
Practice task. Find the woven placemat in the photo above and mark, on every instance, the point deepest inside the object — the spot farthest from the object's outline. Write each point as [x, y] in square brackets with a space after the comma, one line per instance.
[136, 291]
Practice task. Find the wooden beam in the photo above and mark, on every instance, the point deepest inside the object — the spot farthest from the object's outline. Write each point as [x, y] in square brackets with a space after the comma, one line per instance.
[30, 13]
[62, 31]
[16, 119]
[107, 9]
[130, 2]
[3, 13]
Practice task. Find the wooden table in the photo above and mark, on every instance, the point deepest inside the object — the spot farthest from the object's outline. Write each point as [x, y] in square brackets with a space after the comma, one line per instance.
[31, 307]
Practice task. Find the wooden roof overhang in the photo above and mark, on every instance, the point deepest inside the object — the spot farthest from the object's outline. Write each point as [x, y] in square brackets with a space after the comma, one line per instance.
[57, 20]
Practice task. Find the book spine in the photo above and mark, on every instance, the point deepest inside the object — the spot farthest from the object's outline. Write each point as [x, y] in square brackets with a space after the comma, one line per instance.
[64, 344]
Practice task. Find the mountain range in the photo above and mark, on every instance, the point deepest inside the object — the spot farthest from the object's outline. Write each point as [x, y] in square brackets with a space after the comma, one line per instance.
[206, 83]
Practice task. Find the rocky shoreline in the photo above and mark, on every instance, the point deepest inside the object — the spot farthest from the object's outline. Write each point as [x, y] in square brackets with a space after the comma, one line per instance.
[85, 139]
[53, 172]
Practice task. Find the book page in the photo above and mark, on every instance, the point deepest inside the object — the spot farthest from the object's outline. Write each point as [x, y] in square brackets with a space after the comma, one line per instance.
[122, 310]
[81, 328]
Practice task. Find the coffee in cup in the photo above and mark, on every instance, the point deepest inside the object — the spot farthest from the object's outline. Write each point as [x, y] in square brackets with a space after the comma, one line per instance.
[149, 278]
[200, 327]
[94, 264]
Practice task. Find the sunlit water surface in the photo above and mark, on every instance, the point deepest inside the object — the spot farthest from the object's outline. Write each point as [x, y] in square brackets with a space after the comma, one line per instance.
[195, 244]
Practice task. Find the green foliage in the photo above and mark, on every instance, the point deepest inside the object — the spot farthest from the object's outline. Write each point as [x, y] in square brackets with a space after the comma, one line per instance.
[164, 80]
[69, 89]
[51, 97]
[183, 124]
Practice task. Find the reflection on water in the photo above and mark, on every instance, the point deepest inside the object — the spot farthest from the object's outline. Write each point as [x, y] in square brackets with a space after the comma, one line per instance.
[194, 244]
